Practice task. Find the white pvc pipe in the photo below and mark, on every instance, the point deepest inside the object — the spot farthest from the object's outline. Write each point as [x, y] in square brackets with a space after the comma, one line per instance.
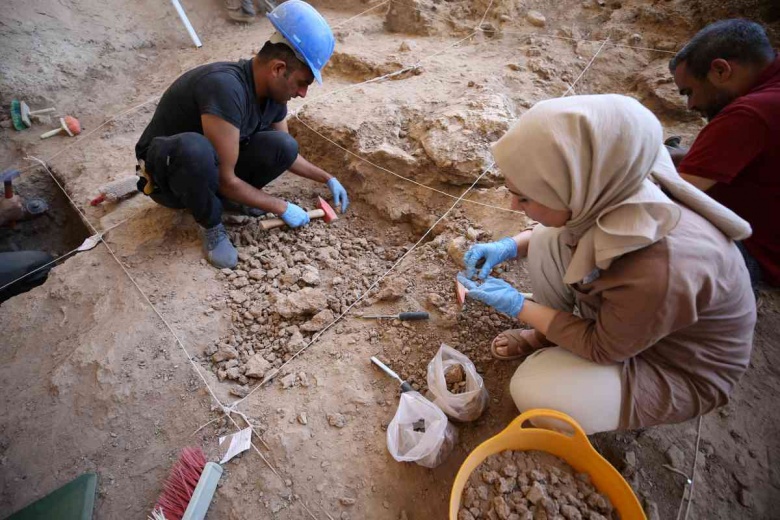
[187, 24]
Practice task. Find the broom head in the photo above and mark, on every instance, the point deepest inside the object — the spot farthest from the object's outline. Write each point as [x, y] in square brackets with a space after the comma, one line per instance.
[180, 484]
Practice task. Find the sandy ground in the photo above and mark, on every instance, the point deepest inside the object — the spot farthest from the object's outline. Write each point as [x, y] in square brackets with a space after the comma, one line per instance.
[93, 380]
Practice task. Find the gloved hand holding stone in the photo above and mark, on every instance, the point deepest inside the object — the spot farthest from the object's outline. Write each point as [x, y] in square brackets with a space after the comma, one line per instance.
[294, 216]
[496, 293]
[339, 194]
[494, 253]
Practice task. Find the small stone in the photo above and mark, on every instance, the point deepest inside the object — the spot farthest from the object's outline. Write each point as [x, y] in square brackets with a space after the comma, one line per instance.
[745, 498]
[570, 512]
[536, 18]
[302, 418]
[651, 510]
[257, 274]
[393, 290]
[257, 367]
[337, 420]
[224, 353]
[238, 296]
[635, 38]
[536, 493]
[405, 46]
[288, 381]
[346, 501]
[456, 248]
[630, 459]
[320, 320]
[311, 276]
[238, 283]
[675, 456]
[454, 374]
[239, 391]
[514, 66]
[501, 507]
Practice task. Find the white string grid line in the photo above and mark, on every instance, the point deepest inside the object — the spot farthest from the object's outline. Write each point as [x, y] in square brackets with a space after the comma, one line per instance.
[364, 293]
[99, 236]
[226, 410]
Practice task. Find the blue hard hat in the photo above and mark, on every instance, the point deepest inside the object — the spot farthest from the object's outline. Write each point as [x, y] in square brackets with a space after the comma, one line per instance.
[307, 31]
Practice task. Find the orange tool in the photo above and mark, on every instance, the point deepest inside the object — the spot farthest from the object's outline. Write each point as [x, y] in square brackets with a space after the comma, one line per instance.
[68, 124]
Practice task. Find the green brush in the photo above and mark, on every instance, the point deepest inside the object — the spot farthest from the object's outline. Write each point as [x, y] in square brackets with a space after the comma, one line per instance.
[16, 115]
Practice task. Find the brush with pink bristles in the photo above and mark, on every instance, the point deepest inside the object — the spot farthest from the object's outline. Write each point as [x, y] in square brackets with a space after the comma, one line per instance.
[189, 488]
[116, 190]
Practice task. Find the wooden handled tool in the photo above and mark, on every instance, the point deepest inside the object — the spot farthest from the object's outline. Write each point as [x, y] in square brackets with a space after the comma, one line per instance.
[324, 212]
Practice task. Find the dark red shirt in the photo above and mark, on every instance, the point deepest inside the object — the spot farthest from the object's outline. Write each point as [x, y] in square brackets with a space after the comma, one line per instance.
[740, 149]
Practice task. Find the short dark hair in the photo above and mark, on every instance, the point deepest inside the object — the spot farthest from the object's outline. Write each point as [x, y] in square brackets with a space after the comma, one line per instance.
[280, 51]
[735, 39]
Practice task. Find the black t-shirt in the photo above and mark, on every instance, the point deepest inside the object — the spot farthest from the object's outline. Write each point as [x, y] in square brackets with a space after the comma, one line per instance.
[223, 89]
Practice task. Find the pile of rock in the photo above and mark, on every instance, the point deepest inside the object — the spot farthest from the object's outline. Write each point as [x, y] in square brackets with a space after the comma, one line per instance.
[288, 286]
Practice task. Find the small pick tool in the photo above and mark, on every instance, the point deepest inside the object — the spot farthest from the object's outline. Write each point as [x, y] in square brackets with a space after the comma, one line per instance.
[405, 387]
[403, 316]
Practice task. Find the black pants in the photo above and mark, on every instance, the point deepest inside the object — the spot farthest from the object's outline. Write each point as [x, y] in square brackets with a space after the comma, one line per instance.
[16, 264]
[185, 169]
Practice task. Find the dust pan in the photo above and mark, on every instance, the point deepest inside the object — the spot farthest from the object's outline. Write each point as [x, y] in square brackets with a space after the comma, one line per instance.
[575, 449]
[73, 501]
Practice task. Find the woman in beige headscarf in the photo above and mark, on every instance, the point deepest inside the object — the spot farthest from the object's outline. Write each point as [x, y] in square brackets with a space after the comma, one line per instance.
[664, 310]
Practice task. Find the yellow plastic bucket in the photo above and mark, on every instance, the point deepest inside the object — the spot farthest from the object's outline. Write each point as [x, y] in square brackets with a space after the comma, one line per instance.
[575, 449]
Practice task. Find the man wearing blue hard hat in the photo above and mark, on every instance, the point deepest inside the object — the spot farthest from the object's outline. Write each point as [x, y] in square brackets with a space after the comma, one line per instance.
[219, 134]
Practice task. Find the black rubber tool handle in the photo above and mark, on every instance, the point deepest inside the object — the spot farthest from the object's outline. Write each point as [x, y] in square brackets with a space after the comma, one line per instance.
[413, 316]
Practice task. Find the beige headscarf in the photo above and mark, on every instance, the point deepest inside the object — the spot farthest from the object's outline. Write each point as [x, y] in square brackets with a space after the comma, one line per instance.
[602, 158]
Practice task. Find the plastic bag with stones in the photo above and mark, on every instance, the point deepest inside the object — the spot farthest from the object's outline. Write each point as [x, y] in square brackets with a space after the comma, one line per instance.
[420, 432]
[467, 405]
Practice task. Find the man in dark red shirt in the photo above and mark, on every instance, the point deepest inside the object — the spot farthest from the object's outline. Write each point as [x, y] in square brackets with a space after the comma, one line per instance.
[731, 75]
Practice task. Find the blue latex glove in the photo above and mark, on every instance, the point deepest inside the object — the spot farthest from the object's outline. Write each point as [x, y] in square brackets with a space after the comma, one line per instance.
[339, 194]
[496, 293]
[294, 216]
[494, 253]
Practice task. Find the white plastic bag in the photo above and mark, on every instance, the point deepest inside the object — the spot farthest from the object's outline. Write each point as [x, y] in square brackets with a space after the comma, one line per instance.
[465, 406]
[420, 432]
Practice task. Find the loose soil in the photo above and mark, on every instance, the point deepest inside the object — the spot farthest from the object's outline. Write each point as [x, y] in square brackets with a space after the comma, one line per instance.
[93, 380]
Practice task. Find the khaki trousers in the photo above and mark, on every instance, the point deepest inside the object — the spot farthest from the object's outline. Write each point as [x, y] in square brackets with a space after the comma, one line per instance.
[554, 377]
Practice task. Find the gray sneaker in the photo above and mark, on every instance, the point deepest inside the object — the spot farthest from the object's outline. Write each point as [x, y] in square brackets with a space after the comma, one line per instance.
[219, 251]
[241, 10]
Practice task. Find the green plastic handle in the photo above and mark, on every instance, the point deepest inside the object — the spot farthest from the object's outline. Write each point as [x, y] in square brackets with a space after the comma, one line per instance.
[204, 492]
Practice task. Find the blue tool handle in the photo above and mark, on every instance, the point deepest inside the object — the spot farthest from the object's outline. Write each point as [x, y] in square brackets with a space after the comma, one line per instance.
[413, 316]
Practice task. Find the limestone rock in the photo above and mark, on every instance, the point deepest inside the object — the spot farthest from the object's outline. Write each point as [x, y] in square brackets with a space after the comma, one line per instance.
[224, 353]
[393, 290]
[257, 367]
[305, 302]
[238, 297]
[319, 321]
[337, 420]
[411, 17]
[536, 18]
[456, 248]
[288, 381]
[311, 275]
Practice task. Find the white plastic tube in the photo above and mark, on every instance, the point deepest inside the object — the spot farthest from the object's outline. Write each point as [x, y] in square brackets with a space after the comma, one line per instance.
[187, 24]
